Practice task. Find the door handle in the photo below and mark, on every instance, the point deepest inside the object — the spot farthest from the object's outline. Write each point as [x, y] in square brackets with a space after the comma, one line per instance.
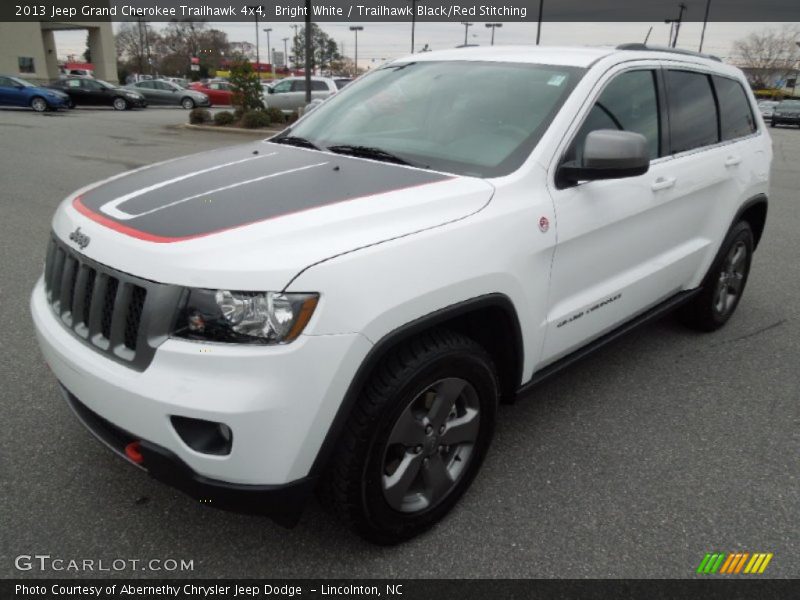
[732, 161]
[663, 183]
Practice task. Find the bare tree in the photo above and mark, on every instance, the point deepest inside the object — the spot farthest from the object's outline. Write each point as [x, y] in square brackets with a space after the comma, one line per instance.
[135, 44]
[768, 55]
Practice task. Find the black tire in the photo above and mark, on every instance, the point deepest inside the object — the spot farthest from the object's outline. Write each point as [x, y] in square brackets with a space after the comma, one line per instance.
[70, 103]
[39, 104]
[119, 103]
[772, 123]
[187, 103]
[419, 371]
[724, 284]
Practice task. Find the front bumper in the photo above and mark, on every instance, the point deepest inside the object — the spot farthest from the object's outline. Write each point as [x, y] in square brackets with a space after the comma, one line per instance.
[283, 503]
[279, 401]
[786, 120]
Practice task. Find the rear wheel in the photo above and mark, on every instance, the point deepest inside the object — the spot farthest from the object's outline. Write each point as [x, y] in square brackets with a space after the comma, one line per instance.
[39, 104]
[187, 103]
[416, 438]
[724, 283]
[120, 104]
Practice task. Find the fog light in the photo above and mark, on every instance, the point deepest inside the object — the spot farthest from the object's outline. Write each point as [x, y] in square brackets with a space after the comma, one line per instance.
[206, 437]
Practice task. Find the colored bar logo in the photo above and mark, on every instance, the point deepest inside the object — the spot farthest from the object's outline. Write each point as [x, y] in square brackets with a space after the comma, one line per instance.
[734, 563]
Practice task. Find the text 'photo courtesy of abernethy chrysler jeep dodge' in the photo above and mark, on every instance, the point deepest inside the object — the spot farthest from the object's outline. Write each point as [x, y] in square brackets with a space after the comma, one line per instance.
[341, 308]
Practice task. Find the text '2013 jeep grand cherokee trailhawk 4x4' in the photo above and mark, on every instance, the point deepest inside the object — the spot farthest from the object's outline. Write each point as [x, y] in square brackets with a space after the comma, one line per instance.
[342, 306]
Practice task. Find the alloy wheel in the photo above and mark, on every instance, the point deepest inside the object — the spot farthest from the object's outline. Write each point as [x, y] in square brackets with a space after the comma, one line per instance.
[430, 445]
[731, 278]
[39, 104]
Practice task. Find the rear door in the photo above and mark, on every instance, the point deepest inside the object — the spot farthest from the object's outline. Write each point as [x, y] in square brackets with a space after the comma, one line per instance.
[623, 245]
[9, 94]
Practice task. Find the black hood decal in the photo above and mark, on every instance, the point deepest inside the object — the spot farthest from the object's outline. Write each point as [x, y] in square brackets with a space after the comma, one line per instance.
[216, 191]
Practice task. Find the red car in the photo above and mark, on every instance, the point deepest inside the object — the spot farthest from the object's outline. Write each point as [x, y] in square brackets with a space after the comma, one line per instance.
[219, 92]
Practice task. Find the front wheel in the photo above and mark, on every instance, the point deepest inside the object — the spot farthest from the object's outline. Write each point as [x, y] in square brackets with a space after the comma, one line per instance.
[416, 438]
[120, 104]
[187, 103]
[39, 104]
[724, 283]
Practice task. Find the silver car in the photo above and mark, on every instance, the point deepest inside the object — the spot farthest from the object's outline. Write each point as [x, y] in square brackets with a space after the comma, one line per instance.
[767, 107]
[290, 94]
[161, 92]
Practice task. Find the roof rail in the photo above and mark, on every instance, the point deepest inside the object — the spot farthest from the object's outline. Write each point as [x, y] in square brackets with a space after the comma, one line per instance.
[644, 47]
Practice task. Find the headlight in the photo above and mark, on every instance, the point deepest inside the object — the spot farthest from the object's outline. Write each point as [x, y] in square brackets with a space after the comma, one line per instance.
[244, 317]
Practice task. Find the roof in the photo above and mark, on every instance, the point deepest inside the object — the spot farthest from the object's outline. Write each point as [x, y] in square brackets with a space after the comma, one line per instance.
[576, 56]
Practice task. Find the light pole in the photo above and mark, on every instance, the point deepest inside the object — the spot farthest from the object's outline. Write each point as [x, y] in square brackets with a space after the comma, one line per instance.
[413, 22]
[466, 30]
[539, 23]
[493, 26]
[705, 22]
[675, 25]
[286, 53]
[269, 49]
[255, 10]
[355, 29]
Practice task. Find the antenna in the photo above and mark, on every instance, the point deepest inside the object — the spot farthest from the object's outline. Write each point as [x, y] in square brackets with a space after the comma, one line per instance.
[647, 37]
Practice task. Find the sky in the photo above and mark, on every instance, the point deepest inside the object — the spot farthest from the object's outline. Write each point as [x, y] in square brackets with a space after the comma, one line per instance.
[379, 42]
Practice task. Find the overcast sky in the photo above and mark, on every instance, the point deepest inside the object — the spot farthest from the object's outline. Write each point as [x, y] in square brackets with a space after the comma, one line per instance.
[384, 41]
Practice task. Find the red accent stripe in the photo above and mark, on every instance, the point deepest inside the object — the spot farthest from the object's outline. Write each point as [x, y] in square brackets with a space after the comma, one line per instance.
[78, 205]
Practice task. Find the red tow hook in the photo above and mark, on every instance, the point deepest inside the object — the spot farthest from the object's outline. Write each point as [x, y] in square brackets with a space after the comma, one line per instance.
[133, 451]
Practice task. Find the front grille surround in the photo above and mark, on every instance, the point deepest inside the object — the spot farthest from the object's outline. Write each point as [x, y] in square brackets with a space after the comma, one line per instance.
[119, 315]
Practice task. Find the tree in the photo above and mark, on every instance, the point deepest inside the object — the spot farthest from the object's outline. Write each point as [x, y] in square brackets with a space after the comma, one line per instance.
[87, 54]
[246, 86]
[184, 39]
[136, 42]
[325, 51]
[769, 55]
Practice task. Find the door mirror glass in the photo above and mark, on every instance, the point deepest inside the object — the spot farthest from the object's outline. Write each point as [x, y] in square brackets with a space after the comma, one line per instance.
[608, 154]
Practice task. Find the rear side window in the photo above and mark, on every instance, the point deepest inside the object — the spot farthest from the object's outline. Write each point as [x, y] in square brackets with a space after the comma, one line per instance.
[319, 86]
[628, 103]
[692, 110]
[736, 118]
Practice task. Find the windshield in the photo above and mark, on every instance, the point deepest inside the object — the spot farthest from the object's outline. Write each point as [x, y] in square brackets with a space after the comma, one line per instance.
[470, 118]
[21, 82]
[105, 84]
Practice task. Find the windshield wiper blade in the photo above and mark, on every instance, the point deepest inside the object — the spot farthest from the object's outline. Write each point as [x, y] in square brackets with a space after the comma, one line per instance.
[293, 140]
[368, 152]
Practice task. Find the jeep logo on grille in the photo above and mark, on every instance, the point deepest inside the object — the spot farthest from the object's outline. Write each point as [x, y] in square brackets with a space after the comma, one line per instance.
[80, 238]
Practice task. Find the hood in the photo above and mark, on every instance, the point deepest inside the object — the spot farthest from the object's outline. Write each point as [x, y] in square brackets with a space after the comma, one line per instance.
[251, 217]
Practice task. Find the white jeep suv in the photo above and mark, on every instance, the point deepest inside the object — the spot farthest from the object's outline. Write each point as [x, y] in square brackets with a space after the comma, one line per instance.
[342, 307]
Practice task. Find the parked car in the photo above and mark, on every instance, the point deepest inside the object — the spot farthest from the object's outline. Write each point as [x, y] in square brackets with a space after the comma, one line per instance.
[345, 304]
[786, 113]
[767, 107]
[290, 93]
[96, 92]
[218, 92]
[75, 73]
[342, 81]
[163, 92]
[18, 92]
[180, 81]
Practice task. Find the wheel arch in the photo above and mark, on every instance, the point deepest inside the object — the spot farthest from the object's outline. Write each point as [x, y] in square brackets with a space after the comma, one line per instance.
[754, 211]
[491, 320]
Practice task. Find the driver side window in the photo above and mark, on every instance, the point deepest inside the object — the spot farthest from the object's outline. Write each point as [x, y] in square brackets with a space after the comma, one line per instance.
[283, 86]
[628, 103]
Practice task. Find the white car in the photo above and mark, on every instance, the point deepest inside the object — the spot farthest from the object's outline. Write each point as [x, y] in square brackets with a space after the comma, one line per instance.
[289, 94]
[345, 304]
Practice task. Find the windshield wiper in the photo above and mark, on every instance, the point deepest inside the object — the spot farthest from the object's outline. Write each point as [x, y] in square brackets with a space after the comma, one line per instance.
[369, 152]
[293, 140]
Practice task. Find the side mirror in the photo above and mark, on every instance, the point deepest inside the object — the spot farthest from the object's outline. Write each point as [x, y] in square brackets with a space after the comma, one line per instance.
[608, 154]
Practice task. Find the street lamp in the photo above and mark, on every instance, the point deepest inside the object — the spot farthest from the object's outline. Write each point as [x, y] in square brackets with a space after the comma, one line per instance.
[269, 49]
[466, 30]
[493, 26]
[285, 52]
[255, 9]
[356, 29]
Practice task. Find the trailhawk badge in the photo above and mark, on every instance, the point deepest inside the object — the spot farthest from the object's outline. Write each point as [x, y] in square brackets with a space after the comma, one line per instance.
[80, 238]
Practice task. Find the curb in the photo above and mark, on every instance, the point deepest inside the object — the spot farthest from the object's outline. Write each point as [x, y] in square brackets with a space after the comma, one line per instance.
[260, 132]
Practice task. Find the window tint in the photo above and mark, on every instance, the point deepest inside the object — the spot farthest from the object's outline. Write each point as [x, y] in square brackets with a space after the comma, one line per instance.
[692, 110]
[299, 85]
[319, 86]
[283, 86]
[6, 82]
[736, 118]
[628, 103]
[145, 84]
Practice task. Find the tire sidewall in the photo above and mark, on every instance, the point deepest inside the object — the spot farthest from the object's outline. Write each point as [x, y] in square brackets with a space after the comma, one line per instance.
[480, 375]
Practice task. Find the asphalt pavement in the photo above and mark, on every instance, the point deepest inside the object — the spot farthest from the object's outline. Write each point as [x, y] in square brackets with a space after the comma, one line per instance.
[633, 463]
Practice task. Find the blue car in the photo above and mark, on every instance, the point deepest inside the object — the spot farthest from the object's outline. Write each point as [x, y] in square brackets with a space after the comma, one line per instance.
[18, 92]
